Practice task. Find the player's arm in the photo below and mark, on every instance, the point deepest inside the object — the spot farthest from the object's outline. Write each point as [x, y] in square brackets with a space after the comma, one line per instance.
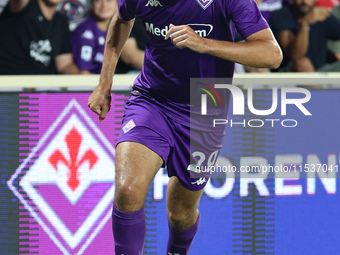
[118, 32]
[259, 50]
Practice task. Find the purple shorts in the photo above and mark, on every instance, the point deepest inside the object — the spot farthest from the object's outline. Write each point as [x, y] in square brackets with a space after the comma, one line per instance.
[185, 152]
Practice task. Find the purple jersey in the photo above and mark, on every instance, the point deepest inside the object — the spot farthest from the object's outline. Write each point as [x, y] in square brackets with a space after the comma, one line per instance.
[167, 70]
[88, 43]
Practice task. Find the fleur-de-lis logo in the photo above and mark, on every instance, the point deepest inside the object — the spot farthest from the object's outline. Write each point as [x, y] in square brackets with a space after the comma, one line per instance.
[73, 141]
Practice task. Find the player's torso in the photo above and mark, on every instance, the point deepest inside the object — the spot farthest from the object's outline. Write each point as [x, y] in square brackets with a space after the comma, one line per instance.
[206, 17]
[166, 64]
[167, 70]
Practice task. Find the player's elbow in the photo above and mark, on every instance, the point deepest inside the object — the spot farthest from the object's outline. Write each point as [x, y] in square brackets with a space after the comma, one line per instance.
[275, 58]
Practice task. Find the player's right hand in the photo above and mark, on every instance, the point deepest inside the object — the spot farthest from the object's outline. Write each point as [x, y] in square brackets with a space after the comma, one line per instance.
[183, 36]
[100, 101]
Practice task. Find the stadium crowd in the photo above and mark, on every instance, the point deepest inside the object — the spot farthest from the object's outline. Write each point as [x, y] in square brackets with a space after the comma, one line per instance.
[68, 36]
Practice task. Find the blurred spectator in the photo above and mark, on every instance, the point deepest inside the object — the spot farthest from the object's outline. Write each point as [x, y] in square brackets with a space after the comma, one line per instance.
[36, 39]
[302, 31]
[88, 39]
[268, 6]
[132, 56]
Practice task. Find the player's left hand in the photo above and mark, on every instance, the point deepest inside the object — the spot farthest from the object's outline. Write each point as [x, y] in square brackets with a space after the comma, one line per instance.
[184, 36]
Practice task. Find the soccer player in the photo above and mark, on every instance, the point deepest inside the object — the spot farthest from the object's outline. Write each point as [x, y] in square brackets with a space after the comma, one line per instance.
[192, 38]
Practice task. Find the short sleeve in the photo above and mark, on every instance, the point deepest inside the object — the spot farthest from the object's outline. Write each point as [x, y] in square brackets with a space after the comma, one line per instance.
[127, 9]
[246, 17]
